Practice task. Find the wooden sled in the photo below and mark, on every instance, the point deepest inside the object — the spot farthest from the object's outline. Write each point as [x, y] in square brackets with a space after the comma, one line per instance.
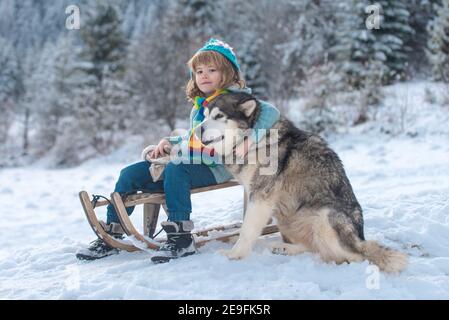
[152, 203]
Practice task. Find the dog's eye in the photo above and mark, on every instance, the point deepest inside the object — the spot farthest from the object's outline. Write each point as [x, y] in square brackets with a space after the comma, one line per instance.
[218, 116]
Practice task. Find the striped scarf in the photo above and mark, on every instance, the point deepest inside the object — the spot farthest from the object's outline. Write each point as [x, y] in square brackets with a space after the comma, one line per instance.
[197, 150]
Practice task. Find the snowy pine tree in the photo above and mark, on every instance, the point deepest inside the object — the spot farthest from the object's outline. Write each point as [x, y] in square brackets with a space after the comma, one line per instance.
[361, 58]
[40, 91]
[310, 30]
[11, 87]
[139, 16]
[104, 42]
[358, 47]
[252, 68]
[307, 42]
[26, 108]
[318, 88]
[53, 95]
[100, 110]
[197, 18]
[438, 42]
[421, 13]
[355, 47]
[393, 36]
[246, 34]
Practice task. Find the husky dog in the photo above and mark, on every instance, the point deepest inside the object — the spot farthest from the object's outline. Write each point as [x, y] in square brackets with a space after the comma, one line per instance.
[308, 194]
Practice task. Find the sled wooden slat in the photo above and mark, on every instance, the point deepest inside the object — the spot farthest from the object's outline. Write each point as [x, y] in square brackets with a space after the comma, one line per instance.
[140, 198]
[205, 232]
[226, 237]
[230, 230]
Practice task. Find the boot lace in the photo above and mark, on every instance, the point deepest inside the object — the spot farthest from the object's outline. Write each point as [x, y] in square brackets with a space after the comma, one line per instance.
[170, 245]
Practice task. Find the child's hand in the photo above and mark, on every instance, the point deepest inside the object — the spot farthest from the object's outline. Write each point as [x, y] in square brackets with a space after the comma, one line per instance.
[160, 150]
[242, 149]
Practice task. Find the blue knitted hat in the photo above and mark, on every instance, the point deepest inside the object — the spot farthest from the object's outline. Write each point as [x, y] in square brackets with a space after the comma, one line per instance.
[223, 48]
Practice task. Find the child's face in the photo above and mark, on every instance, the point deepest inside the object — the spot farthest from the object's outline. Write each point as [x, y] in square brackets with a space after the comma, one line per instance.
[207, 78]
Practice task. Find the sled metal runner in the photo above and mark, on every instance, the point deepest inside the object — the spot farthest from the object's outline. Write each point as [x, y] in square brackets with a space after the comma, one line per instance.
[152, 203]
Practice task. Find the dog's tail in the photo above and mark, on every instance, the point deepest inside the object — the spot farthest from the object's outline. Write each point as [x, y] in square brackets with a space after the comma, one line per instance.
[388, 260]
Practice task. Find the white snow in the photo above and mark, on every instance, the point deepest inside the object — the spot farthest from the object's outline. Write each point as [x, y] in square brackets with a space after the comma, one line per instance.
[401, 182]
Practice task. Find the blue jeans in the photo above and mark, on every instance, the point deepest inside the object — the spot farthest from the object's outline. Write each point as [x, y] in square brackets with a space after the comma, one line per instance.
[177, 181]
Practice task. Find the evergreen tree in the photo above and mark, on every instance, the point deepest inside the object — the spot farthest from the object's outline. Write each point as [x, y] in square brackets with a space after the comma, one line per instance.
[138, 16]
[25, 107]
[307, 42]
[11, 86]
[360, 57]
[317, 89]
[197, 20]
[245, 33]
[100, 110]
[358, 47]
[104, 42]
[393, 36]
[438, 42]
[355, 49]
[252, 68]
[421, 13]
[53, 95]
[8, 69]
[159, 71]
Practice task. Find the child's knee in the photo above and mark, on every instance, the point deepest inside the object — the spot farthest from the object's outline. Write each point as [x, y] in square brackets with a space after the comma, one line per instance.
[174, 170]
[134, 170]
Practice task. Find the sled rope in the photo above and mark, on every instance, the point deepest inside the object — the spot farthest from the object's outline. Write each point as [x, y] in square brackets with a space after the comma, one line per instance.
[157, 233]
[96, 197]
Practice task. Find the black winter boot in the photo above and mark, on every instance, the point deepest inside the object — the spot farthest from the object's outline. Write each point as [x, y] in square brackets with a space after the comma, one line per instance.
[98, 248]
[179, 243]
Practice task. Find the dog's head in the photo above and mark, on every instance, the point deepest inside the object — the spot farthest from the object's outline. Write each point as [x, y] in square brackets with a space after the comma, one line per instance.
[229, 117]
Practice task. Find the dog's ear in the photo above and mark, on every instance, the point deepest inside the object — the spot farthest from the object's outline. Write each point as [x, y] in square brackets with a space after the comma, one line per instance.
[248, 107]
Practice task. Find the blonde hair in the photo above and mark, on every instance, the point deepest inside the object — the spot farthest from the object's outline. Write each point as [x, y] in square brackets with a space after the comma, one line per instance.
[230, 75]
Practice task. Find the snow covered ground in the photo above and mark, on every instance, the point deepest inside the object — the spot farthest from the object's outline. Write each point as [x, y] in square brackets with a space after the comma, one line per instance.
[401, 182]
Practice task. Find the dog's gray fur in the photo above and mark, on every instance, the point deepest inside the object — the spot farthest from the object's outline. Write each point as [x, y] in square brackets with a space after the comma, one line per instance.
[310, 195]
